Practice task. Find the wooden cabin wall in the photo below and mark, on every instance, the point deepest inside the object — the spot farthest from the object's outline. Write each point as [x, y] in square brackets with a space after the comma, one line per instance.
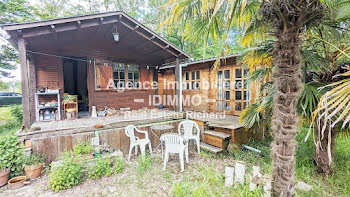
[203, 93]
[165, 77]
[119, 99]
[45, 72]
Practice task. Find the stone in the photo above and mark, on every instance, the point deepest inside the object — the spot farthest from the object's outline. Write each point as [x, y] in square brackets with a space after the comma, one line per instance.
[233, 148]
[301, 185]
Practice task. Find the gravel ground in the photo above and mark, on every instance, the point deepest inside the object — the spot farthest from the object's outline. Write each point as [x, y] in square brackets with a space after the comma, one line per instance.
[153, 182]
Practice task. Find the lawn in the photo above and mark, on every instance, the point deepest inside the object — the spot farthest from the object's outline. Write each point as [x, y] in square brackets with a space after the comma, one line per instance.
[10, 118]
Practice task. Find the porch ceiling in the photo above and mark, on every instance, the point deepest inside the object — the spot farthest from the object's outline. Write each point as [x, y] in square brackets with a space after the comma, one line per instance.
[91, 36]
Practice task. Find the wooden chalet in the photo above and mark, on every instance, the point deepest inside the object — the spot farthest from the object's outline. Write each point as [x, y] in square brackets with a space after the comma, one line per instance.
[77, 55]
[81, 56]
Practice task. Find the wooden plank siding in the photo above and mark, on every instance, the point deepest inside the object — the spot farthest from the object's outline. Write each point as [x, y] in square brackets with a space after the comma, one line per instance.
[208, 75]
[53, 146]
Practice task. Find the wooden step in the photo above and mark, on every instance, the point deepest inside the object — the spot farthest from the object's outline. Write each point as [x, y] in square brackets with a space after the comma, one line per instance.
[210, 148]
[217, 139]
[217, 134]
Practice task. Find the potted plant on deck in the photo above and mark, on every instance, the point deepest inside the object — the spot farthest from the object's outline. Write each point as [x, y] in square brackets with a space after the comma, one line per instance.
[33, 165]
[4, 174]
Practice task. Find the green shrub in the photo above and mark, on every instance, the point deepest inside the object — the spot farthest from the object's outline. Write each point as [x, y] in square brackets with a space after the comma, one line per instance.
[102, 167]
[10, 127]
[67, 174]
[119, 165]
[143, 163]
[83, 148]
[17, 112]
[11, 154]
[34, 159]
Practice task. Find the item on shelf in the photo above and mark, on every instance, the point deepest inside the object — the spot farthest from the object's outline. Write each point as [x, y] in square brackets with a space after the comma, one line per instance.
[47, 115]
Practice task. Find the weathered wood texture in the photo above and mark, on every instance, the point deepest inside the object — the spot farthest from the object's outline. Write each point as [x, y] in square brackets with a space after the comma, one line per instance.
[205, 99]
[24, 81]
[54, 145]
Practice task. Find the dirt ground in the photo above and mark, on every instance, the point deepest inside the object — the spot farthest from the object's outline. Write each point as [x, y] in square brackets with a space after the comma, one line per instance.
[153, 182]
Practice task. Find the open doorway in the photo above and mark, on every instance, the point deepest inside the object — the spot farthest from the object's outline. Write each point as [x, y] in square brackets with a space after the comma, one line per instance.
[75, 83]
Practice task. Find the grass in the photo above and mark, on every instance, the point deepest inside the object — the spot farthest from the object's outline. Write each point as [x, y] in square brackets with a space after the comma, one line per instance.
[8, 122]
[337, 184]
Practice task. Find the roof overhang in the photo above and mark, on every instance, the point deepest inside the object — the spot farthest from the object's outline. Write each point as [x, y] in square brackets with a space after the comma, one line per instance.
[34, 31]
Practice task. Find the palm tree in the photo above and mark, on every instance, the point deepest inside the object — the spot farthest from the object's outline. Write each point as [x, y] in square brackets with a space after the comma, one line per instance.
[288, 18]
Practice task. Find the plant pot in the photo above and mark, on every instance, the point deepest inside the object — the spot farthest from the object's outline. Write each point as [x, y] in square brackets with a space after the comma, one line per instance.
[33, 171]
[4, 176]
[17, 182]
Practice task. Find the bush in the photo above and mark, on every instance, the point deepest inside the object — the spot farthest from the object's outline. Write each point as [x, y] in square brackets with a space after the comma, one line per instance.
[11, 154]
[17, 112]
[83, 148]
[10, 126]
[34, 159]
[102, 167]
[143, 163]
[119, 165]
[68, 174]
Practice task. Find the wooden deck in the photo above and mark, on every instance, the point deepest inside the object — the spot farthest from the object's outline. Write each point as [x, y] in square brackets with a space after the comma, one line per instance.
[226, 122]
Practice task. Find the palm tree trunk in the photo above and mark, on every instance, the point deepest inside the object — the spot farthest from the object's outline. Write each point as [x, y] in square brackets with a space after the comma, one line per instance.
[287, 59]
[322, 158]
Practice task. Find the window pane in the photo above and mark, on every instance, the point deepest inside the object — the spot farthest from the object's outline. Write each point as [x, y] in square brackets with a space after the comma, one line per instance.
[136, 76]
[187, 85]
[227, 84]
[238, 95]
[245, 104]
[219, 103]
[187, 76]
[122, 75]
[246, 95]
[197, 75]
[192, 85]
[227, 105]
[238, 84]
[227, 95]
[227, 74]
[198, 85]
[130, 76]
[115, 75]
[220, 95]
[238, 73]
[245, 72]
[220, 85]
[238, 106]
[193, 75]
[220, 75]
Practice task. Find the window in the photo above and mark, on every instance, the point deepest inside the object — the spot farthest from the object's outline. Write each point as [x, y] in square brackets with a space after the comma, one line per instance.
[119, 75]
[224, 95]
[192, 80]
[233, 90]
[133, 76]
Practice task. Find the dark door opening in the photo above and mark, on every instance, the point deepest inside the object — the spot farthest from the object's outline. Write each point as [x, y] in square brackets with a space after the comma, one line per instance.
[75, 83]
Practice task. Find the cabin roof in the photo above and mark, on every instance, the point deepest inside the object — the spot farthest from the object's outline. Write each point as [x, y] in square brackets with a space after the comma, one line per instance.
[193, 62]
[110, 20]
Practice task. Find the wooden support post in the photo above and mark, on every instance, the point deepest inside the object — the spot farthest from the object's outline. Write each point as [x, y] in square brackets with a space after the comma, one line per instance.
[24, 81]
[178, 86]
[32, 87]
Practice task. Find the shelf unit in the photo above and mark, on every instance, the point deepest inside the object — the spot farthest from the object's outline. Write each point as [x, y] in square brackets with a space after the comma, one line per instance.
[37, 108]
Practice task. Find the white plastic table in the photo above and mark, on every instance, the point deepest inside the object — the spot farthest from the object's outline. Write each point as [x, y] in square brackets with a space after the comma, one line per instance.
[163, 127]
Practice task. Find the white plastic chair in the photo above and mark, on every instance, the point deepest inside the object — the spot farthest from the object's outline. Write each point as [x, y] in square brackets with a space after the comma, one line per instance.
[136, 141]
[174, 143]
[188, 134]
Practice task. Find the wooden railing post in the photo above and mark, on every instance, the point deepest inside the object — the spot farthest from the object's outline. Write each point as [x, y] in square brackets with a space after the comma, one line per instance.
[178, 85]
[24, 81]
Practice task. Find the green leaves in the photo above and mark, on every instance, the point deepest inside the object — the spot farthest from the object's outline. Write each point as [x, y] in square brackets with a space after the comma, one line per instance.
[68, 174]
[101, 168]
[11, 154]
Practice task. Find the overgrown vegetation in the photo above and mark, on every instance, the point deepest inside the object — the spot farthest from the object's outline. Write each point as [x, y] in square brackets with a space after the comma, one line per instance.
[11, 154]
[143, 163]
[34, 159]
[82, 148]
[10, 119]
[67, 174]
[119, 165]
[101, 168]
